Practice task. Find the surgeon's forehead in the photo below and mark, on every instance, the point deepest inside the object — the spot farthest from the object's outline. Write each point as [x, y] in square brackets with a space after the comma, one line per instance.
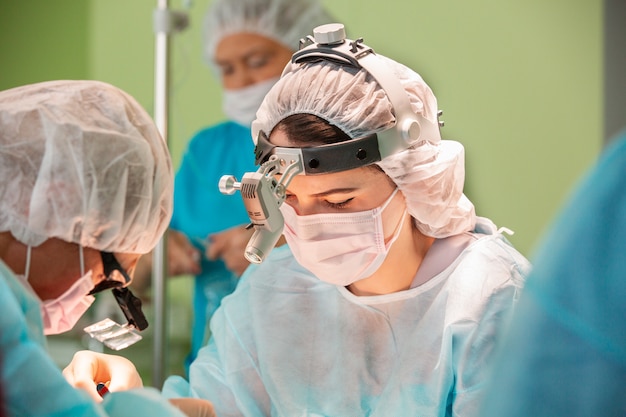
[243, 45]
[279, 138]
[343, 182]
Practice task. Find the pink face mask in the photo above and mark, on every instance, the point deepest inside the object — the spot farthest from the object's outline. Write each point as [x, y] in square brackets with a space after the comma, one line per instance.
[61, 314]
[339, 248]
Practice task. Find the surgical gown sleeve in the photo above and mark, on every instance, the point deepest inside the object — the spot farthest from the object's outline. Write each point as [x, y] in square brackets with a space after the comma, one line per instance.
[32, 383]
[565, 354]
[207, 370]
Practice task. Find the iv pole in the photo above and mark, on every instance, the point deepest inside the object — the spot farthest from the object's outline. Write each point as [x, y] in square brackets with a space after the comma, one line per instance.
[165, 21]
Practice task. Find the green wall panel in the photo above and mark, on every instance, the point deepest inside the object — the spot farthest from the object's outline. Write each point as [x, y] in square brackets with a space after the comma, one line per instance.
[42, 40]
[520, 82]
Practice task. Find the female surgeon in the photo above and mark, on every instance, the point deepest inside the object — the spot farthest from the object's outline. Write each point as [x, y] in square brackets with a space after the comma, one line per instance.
[247, 43]
[391, 292]
[86, 187]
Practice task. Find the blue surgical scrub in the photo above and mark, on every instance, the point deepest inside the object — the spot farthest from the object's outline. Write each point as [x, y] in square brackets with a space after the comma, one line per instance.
[201, 209]
[32, 384]
[287, 344]
[565, 354]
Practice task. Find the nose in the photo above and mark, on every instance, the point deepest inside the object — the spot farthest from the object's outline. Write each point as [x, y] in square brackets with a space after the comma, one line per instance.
[303, 207]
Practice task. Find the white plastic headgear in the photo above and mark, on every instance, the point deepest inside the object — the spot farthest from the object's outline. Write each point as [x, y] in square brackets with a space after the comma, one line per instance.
[430, 174]
[82, 161]
[283, 21]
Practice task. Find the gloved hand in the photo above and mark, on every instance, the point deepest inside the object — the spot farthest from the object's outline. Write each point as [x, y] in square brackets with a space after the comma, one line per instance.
[88, 368]
[229, 245]
[182, 259]
[194, 407]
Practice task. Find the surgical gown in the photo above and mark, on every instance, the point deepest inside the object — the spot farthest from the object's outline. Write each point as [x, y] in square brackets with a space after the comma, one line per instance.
[287, 344]
[201, 209]
[566, 352]
[33, 385]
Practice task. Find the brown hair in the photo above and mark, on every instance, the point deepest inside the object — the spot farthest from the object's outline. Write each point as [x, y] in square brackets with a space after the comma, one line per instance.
[303, 129]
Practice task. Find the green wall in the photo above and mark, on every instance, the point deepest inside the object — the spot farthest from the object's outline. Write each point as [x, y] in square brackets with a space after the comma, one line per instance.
[42, 40]
[519, 81]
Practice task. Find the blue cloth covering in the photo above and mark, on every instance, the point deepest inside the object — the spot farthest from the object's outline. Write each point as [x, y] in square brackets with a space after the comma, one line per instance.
[287, 344]
[31, 382]
[201, 209]
[565, 354]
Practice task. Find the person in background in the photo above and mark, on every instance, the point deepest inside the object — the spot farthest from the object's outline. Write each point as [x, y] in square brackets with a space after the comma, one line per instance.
[565, 351]
[391, 292]
[86, 188]
[247, 43]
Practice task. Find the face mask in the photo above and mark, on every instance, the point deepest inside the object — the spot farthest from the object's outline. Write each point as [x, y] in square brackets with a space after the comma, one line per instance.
[339, 248]
[241, 105]
[62, 313]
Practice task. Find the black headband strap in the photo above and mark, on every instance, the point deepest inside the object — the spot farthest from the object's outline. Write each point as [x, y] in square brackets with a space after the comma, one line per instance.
[324, 159]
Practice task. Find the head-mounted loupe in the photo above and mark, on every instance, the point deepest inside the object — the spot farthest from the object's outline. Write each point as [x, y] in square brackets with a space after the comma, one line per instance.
[263, 193]
[107, 331]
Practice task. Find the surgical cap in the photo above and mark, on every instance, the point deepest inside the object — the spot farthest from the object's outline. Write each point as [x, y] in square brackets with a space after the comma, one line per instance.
[430, 174]
[284, 21]
[83, 162]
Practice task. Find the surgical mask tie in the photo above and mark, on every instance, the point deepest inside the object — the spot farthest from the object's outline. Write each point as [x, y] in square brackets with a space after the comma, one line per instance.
[62, 313]
[241, 105]
[340, 248]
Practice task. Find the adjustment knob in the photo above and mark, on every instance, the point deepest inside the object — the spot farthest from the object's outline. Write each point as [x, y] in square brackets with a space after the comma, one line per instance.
[411, 130]
[330, 34]
[228, 184]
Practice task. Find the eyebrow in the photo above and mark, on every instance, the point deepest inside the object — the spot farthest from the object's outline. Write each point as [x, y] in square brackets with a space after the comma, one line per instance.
[346, 190]
[257, 50]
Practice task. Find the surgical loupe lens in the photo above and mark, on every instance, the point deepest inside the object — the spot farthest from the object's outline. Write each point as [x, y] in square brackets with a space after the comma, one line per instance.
[252, 256]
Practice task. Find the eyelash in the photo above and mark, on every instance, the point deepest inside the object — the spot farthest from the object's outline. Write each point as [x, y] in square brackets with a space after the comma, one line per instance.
[258, 62]
[337, 206]
[255, 62]
[340, 205]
